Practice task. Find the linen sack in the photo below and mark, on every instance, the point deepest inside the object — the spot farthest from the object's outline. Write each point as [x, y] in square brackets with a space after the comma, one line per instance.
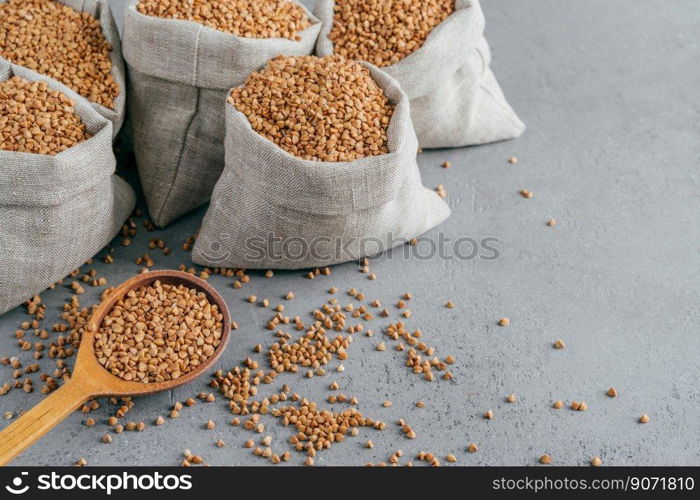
[100, 10]
[56, 212]
[272, 210]
[179, 75]
[455, 98]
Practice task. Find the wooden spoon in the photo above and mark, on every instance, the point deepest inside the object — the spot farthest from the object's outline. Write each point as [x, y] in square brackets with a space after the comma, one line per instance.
[90, 379]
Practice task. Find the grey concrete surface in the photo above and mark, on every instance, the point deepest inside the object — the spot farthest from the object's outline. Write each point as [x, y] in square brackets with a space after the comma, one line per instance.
[609, 92]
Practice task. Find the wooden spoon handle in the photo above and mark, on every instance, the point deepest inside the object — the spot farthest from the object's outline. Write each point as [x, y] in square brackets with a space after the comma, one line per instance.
[33, 424]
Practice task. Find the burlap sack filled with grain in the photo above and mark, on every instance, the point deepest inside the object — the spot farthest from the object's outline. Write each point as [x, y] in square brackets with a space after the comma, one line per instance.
[272, 210]
[179, 75]
[455, 98]
[68, 66]
[57, 211]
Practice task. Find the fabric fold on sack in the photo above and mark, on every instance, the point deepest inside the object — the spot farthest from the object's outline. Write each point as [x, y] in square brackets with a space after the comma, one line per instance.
[56, 212]
[179, 76]
[273, 210]
[455, 98]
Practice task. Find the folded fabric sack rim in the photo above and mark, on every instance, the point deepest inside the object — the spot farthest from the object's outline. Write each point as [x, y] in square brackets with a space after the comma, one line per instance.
[25, 178]
[190, 40]
[323, 185]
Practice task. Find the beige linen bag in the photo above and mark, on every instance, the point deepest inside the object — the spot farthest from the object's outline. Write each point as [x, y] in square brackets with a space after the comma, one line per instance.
[273, 210]
[179, 75]
[455, 98]
[58, 211]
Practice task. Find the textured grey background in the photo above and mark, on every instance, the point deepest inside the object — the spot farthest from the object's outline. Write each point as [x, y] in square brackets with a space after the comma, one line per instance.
[609, 91]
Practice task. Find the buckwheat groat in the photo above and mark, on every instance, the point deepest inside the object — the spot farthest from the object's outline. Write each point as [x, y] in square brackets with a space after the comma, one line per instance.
[246, 18]
[158, 332]
[317, 108]
[385, 31]
[55, 40]
[36, 119]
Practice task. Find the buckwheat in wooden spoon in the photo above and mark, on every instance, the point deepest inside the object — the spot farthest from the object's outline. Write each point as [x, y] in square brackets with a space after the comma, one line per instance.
[91, 379]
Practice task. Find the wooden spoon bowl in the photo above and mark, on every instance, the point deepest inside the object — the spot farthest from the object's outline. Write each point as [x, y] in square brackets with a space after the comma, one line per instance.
[90, 379]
